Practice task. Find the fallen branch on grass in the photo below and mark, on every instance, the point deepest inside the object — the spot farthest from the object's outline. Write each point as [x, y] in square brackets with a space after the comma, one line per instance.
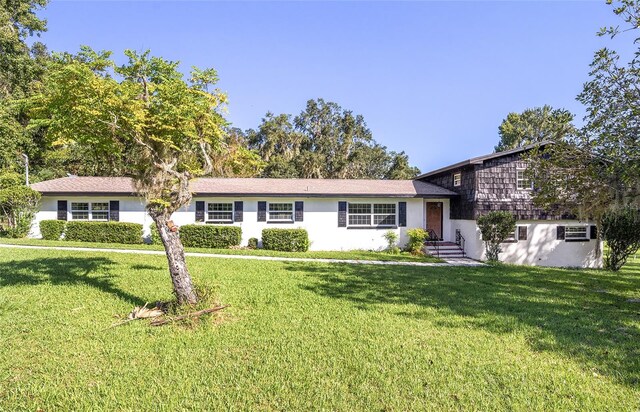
[142, 313]
[199, 313]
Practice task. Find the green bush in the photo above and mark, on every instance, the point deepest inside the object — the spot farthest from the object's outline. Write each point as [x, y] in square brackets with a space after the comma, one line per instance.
[286, 240]
[496, 227]
[210, 236]
[392, 239]
[52, 229]
[621, 231]
[253, 243]
[18, 207]
[417, 236]
[104, 232]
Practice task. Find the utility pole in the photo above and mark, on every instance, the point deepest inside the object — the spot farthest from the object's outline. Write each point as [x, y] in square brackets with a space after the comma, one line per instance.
[26, 168]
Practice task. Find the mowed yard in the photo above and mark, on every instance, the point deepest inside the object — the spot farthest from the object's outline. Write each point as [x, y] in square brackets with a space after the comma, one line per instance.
[313, 336]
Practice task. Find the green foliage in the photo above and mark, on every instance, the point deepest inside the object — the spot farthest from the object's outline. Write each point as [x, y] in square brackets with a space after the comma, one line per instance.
[392, 239]
[18, 206]
[496, 227]
[253, 243]
[143, 112]
[600, 166]
[534, 126]
[154, 235]
[417, 237]
[621, 230]
[52, 229]
[325, 141]
[208, 236]
[103, 232]
[286, 240]
[11, 179]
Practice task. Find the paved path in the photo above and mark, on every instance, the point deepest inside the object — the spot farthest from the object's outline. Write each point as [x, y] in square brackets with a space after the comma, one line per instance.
[447, 262]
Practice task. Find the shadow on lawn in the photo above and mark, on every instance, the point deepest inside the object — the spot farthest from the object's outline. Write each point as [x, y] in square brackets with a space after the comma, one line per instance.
[580, 314]
[92, 272]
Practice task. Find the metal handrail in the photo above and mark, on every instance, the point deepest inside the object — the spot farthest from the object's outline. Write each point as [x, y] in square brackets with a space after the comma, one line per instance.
[433, 240]
[460, 241]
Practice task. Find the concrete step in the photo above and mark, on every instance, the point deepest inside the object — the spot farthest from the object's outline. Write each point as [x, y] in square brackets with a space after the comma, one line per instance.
[445, 250]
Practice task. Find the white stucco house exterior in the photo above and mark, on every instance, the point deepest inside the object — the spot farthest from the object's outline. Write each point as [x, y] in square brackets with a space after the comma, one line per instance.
[353, 214]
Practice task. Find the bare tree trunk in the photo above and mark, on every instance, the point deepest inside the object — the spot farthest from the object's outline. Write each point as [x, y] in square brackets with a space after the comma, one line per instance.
[182, 284]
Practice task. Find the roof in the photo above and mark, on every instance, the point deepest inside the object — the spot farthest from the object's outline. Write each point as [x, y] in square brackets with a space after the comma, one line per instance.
[481, 159]
[252, 187]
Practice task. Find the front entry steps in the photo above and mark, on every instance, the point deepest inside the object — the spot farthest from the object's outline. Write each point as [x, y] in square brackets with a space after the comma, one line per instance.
[444, 250]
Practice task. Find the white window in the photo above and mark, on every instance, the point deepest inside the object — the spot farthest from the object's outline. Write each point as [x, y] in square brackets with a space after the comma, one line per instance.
[576, 232]
[457, 179]
[220, 212]
[372, 214]
[90, 211]
[280, 212]
[523, 182]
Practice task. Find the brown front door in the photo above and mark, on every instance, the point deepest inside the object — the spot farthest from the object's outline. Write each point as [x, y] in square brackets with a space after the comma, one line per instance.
[434, 218]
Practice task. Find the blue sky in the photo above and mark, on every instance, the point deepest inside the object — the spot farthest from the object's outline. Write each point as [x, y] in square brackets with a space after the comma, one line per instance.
[434, 79]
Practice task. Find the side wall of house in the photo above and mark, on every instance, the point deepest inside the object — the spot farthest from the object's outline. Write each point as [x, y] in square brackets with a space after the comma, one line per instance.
[496, 189]
[541, 248]
[462, 206]
[320, 218]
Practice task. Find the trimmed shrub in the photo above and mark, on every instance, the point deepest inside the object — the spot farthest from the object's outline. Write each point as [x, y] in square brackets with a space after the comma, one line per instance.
[417, 237]
[285, 240]
[253, 243]
[104, 232]
[496, 227]
[392, 239]
[621, 230]
[210, 236]
[52, 229]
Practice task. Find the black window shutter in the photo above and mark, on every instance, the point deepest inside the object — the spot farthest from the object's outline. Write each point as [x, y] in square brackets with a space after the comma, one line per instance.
[238, 209]
[200, 211]
[593, 234]
[342, 214]
[560, 233]
[62, 210]
[402, 213]
[262, 211]
[114, 210]
[522, 233]
[299, 206]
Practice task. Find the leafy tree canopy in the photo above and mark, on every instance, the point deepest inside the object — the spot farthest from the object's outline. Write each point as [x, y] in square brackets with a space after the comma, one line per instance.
[534, 126]
[325, 141]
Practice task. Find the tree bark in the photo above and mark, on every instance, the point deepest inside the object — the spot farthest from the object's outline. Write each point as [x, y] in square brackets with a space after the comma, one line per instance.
[182, 284]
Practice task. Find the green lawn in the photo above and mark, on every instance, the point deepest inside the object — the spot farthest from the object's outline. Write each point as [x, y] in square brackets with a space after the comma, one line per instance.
[350, 255]
[314, 336]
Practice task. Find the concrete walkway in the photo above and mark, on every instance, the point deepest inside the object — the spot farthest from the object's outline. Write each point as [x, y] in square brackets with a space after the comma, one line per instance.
[447, 262]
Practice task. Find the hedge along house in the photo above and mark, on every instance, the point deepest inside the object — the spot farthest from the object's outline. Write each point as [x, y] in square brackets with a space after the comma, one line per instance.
[338, 214]
[498, 182]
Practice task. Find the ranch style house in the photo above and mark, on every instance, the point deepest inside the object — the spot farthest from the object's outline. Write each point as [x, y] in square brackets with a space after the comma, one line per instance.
[343, 214]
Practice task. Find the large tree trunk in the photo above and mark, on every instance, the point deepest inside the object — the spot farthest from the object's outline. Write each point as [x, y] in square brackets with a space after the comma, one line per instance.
[182, 284]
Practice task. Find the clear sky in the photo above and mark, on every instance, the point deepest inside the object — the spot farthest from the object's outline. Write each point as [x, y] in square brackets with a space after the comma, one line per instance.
[434, 79]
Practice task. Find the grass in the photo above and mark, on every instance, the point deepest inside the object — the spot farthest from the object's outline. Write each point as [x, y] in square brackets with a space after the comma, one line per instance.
[317, 336]
[348, 255]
